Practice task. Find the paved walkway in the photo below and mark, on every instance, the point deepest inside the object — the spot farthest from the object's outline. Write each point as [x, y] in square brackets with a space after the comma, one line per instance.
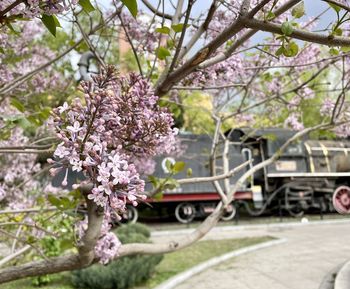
[301, 263]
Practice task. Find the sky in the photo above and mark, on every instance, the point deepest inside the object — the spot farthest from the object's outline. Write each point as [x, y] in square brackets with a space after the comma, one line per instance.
[312, 8]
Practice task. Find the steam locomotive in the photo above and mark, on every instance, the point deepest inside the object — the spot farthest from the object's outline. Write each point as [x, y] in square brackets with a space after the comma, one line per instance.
[304, 177]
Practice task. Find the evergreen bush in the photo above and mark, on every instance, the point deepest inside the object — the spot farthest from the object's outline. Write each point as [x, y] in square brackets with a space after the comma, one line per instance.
[123, 273]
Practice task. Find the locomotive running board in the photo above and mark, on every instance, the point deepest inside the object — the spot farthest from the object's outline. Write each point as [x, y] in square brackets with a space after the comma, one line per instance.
[307, 175]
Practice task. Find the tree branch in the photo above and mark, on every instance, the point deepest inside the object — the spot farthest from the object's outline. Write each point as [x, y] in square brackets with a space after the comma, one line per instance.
[329, 40]
[246, 36]
[18, 81]
[200, 30]
[341, 5]
[155, 11]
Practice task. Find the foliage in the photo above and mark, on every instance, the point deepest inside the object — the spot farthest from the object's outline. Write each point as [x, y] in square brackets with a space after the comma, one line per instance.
[130, 229]
[125, 272]
[110, 127]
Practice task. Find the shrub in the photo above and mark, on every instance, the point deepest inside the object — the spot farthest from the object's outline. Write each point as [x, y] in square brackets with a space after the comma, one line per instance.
[134, 228]
[123, 273]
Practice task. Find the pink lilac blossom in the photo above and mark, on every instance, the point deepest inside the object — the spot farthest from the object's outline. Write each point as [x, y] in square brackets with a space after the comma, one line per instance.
[119, 122]
[327, 106]
[16, 168]
[25, 54]
[293, 122]
[141, 32]
[117, 125]
[107, 247]
[108, 244]
[34, 8]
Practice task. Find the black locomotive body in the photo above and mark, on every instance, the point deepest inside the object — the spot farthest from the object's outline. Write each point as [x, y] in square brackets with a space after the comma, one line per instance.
[303, 178]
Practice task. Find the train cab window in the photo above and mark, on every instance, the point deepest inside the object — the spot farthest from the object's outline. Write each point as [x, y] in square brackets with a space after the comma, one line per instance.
[294, 149]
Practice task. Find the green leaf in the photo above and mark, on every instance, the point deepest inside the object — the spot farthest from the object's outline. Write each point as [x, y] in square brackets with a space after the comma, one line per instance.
[17, 104]
[189, 172]
[345, 49]
[270, 16]
[131, 5]
[57, 23]
[171, 184]
[34, 120]
[5, 134]
[178, 167]
[31, 239]
[9, 26]
[2, 51]
[66, 244]
[287, 28]
[170, 43]
[163, 53]
[335, 7]
[337, 32]
[54, 200]
[299, 10]
[178, 27]
[333, 51]
[291, 49]
[158, 196]
[279, 51]
[169, 165]
[51, 22]
[163, 30]
[44, 113]
[86, 5]
[153, 181]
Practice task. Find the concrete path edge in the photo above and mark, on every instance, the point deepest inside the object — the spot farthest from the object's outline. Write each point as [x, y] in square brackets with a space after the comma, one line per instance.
[329, 279]
[181, 277]
[251, 226]
[342, 280]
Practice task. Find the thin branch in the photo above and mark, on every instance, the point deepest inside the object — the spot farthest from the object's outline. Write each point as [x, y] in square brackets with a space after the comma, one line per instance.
[25, 151]
[245, 37]
[19, 80]
[23, 242]
[132, 45]
[347, 8]
[23, 224]
[89, 43]
[209, 87]
[223, 176]
[328, 40]
[164, 84]
[156, 11]
[182, 36]
[10, 257]
[10, 7]
[33, 210]
[184, 50]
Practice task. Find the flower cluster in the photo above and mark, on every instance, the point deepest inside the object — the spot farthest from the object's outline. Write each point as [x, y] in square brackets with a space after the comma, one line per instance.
[118, 122]
[107, 247]
[25, 54]
[293, 122]
[108, 244]
[141, 32]
[16, 168]
[33, 8]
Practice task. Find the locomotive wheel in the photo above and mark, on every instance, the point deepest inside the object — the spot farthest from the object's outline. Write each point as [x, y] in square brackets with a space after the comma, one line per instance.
[296, 211]
[341, 200]
[229, 213]
[185, 212]
[131, 215]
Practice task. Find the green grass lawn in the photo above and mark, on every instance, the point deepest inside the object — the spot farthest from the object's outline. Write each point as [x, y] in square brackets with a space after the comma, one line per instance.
[182, 260]
[171, 265]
